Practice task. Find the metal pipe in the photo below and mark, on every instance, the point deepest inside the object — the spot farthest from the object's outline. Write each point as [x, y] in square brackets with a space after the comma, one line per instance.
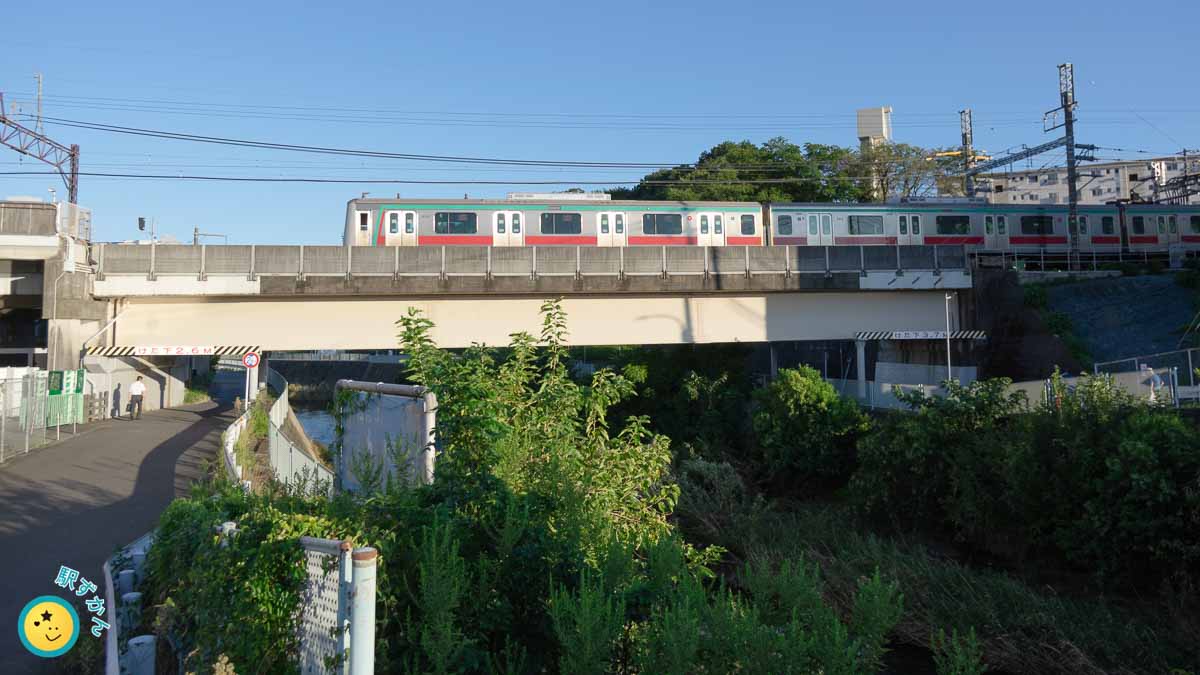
[948, 370]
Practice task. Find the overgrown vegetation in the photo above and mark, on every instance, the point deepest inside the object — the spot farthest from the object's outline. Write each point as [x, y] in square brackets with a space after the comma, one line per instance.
[544, 545]
[256, 429]
[565, 532]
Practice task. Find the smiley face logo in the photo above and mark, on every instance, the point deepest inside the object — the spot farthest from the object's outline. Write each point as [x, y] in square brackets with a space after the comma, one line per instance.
[48, 626]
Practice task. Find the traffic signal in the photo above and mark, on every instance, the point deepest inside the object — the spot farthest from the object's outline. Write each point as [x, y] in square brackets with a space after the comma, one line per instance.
[141, 223]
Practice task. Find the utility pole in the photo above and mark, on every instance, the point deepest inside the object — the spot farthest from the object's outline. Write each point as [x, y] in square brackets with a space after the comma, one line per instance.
[968, 138]
[38, 127]
[1066, 89]
[34, 144]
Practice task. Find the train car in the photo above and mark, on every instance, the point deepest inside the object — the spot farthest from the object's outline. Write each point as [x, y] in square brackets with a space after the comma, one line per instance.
[551, 222]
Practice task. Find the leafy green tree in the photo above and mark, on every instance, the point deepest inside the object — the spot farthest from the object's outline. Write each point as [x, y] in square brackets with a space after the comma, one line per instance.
[776, 171]
[804, 428]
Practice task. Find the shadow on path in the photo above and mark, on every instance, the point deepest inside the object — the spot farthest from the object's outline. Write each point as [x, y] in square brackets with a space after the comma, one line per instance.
[75, 503]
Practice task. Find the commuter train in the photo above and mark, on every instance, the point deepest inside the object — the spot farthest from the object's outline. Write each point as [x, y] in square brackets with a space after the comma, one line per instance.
[981, 227]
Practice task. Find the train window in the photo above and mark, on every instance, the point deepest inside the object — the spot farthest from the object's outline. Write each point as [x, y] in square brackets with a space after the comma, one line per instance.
[1082, 224]
[393, 223]
[516, 223]
[812, 225]
[1139, 225]
[363, 217]
[620, 223]
[785, 224]
[826, 224]
[662, 223]
[1195, 224]
[562, 223]
[1001, 224]
[864, 224]
[703, 224]
[603, 223]
[408, 223]
[500, 223]
[747, 225]
[451, 222]
[718, 225]
[916, 224]
[1172, 225]
[987, 224]
[903, 224]
[1042, 225]
[952, 224]
[1107, 226]
[1162, 225]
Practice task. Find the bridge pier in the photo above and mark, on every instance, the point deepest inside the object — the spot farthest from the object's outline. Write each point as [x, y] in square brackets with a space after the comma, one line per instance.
[860, 367]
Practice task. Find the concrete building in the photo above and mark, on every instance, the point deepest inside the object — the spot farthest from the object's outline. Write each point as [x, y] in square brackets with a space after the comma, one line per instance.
[1099, 183]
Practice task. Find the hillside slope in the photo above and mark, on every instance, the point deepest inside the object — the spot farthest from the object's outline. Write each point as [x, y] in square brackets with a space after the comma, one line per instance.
[1120, 317]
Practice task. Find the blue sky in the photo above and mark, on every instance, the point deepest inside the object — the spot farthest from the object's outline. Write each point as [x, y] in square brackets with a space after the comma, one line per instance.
[614, 82]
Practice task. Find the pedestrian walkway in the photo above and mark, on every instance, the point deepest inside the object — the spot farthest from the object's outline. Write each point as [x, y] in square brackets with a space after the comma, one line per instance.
[76, 502]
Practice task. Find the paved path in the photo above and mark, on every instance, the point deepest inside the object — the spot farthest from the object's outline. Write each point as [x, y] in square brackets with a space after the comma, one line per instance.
[76, 502]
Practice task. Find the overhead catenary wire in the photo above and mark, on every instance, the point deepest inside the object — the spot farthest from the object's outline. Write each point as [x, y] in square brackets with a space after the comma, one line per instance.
[379, 154]
[407, 181]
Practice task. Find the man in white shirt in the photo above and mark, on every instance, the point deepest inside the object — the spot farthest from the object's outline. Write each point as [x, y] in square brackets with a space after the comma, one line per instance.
[136, 391]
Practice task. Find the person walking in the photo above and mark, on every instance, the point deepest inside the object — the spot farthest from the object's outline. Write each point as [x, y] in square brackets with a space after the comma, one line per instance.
[136, 391]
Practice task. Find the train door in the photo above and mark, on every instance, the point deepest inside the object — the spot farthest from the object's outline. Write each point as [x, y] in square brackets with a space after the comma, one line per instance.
[399, 228]
[1172, 228]
[408, 228]
[610, 230]
[507, 229]
[905, 236]
[711, 229]
[820, 229]
[991, 232]
[719, 223]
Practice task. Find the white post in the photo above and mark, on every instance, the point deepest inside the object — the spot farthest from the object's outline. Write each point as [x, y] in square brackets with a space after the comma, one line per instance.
[949, 376]
[362, 612]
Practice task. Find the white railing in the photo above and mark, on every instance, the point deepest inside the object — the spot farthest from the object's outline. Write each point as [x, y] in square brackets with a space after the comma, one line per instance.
[291, 464]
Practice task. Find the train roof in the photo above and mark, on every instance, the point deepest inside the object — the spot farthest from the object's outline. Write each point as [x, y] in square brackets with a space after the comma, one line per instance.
[953, 207]
[556, 202]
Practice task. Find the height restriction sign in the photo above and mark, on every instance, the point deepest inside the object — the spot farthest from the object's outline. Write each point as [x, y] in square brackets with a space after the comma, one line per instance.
[250, 360]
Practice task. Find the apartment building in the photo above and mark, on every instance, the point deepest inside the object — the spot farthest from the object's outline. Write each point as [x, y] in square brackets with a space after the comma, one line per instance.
[1099, 182]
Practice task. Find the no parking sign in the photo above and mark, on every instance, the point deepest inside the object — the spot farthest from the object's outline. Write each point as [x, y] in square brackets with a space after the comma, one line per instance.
[250, 360]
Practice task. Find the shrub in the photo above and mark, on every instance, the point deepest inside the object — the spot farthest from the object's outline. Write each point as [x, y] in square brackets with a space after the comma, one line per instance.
[803, 428]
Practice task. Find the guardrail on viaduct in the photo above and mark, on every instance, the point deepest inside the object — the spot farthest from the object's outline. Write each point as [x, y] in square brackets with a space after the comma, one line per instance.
[300, 262]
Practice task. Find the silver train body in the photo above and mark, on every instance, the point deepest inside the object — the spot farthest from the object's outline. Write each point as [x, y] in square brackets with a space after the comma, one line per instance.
[978, 226]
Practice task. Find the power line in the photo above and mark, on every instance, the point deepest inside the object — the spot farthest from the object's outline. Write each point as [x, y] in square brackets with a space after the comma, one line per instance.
[401, 181]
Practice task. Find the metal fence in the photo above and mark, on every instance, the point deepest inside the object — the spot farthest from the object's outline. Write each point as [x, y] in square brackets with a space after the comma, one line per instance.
[336, 626]
[527, 261]
[1186, 361]
[32, 414]
[290, 464]
[1167, 389]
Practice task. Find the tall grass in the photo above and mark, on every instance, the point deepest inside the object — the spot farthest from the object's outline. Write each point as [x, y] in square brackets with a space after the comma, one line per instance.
[1020, 630]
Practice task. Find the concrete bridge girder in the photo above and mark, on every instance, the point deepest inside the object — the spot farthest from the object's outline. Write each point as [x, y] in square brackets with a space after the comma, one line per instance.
[301, 323]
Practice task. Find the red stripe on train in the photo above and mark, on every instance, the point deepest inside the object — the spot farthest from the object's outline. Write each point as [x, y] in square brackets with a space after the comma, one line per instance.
[455, 240]
[1191, 238]
[743, 241]
[802, 241]
[663, 240]
[1106, 240]
[559, 240]
[857, 240]
[931, 239]
[1040, 239]
[1144, 239]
